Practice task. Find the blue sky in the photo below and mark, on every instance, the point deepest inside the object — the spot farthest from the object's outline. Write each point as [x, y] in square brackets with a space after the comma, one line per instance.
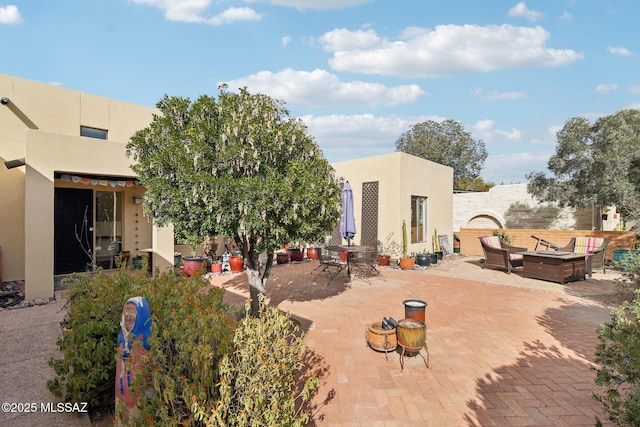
[358, 72]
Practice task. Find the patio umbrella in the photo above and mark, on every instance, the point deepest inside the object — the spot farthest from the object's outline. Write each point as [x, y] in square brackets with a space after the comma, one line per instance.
[348, 220]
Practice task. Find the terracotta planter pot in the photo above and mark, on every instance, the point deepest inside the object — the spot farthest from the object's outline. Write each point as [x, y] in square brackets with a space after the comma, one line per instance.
[313, 253]
[216, 268]
[381, 339]
[282, 258]
[236, 263]
[191, 265]
[407, 263]
[296, 255]
[383, 260]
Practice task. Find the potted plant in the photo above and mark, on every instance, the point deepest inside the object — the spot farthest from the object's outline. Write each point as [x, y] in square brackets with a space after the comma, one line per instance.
[406, 262]
[436, 245]
[387, 249]
[216, 266]
[313, 250]
[295, 253]
[191, 264]
[423, 259]
[282, 257]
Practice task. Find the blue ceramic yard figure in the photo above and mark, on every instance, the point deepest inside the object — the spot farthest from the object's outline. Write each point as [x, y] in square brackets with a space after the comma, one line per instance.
[135, 328]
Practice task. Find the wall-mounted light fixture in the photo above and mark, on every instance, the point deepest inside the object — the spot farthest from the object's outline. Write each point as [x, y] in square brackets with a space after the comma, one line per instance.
[10, 164]
[137, 200]
[4, 100]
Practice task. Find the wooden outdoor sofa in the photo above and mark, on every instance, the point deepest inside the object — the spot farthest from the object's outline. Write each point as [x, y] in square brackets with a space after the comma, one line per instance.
[594, 249]
[497, 253]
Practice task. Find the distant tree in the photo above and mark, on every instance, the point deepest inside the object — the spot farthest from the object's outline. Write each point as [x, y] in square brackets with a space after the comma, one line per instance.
[594, 164]
[239, 165]
[477, 184]
[449, 144]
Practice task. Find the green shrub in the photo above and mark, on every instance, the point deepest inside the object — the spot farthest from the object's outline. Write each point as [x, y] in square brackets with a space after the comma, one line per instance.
[618, 355]
[192, 330]
[202, 366]
[258, 384]
[86, 372]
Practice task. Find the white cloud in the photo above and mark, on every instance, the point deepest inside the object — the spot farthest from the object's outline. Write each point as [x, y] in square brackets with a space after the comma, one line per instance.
[619, 51]
[10, 15]
[195, 11]
[447, 50]
[313, 4]
[346, 137]
[521, 10]
[286, 40]
[495, 95]
[566, 16]
[634, 89]
[319, 88]
[485, 130]
[511, 168]
[606, 88]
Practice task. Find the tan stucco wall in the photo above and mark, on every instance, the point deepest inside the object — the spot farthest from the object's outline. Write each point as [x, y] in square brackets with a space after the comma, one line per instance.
[401, 176]
[42, 124]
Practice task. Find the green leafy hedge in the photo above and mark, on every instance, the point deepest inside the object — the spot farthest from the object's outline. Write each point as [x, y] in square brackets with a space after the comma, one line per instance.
[204, 366]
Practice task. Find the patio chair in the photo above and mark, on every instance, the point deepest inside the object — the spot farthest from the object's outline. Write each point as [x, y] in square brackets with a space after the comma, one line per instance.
[497, 253]
[364, 263]
[331, 265]
[594, 247]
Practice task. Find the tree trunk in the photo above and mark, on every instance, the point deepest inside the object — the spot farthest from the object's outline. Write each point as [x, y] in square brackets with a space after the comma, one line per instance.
[257, 282]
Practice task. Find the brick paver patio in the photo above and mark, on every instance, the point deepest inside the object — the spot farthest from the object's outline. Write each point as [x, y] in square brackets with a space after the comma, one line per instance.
[505, 351]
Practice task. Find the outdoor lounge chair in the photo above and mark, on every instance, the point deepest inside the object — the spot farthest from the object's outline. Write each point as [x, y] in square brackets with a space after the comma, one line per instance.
[595, 247]
[497, 253]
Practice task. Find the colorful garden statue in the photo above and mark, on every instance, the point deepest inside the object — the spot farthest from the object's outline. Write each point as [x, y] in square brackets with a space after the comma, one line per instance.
[135, 328]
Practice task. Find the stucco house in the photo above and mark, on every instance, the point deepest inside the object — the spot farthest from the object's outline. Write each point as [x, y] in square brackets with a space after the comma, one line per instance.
[66, 178]
[68, 195]
[396, 186]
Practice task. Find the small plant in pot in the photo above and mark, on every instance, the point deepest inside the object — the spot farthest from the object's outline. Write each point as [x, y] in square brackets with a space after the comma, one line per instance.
[192, 264]
[387, 249]
[406, 262]
[436, 245]
[423, 259]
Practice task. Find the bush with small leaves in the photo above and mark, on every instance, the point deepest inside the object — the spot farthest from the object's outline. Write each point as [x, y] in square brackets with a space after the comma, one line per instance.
[618, 356]
[259, 385]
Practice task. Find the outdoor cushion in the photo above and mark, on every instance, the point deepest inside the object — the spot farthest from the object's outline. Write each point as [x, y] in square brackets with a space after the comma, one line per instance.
[513, 257]
[584, 245]
[493, 241]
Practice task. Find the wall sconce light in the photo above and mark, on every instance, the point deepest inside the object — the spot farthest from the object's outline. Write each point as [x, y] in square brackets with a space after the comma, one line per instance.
[137, 200]
[4, 100]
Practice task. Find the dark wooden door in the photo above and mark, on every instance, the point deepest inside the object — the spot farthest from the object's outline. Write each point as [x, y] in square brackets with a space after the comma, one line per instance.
[73, 230]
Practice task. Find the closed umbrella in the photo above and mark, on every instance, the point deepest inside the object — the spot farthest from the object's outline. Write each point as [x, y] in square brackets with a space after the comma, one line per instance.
[348, 220]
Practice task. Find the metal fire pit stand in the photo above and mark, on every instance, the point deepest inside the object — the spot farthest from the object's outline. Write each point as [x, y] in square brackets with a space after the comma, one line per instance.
[407, 349]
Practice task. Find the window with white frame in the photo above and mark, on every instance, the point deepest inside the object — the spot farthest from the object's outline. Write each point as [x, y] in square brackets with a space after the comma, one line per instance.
[418, 219]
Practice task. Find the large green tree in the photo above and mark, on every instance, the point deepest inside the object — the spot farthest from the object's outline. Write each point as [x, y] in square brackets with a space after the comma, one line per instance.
[239, 165]
[594, 164]
[449, 144]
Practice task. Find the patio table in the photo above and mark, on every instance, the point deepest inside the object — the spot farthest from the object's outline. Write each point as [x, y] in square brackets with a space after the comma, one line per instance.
[554, 266]
[354, 252]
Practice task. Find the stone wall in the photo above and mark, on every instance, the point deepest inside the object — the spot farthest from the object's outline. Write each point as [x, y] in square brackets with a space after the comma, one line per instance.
[511, 206]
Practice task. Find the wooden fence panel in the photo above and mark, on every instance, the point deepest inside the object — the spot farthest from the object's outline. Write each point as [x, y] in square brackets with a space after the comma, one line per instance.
[470, 244]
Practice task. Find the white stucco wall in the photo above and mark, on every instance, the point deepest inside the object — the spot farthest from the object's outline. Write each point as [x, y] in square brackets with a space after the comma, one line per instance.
[511, 206]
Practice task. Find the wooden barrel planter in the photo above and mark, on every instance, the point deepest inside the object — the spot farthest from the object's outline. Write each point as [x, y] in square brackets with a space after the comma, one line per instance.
[381, 339]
